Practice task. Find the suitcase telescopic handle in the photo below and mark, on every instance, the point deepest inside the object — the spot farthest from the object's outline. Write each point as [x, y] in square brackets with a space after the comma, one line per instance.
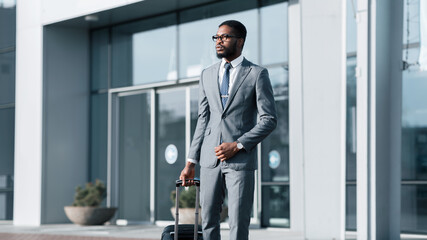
[178, 183]
[196, 181]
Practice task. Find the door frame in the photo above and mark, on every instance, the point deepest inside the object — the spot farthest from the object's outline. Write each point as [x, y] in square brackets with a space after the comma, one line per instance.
[113, 149]
[112, 198]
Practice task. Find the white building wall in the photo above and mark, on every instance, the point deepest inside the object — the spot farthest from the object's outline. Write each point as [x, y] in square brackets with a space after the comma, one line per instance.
[28, 114]
[52, 115]
[55, 11]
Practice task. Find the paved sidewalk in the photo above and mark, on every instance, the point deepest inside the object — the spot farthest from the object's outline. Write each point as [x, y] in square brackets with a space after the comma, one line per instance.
[113, 232]
[141, 232]
[35, 236]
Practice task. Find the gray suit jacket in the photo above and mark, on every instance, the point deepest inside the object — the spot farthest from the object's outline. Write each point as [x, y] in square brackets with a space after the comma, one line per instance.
[250, 95]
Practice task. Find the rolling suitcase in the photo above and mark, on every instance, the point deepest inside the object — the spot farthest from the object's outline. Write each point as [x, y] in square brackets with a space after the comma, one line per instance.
[184, 231]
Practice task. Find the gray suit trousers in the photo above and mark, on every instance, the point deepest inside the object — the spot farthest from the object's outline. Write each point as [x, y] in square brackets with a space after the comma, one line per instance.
[239, 185]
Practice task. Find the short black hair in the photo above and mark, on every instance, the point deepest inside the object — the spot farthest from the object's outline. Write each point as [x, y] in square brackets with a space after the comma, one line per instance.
[238, 28]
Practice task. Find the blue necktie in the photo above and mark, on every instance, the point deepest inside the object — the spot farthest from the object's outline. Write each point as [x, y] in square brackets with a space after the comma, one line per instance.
[224, 85]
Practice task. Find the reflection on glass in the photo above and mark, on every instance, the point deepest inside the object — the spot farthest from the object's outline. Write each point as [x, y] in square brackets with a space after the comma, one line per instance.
[351, 120]
[7, 135]
[351, 26]
[194, 108]
[99, 59]
[275, 148]
[414, 125]
[7, 77]
[144, 51]
[98, 137]
[170, 131]
[6, 205]
[7, 23]
[274, 33]
[134, 157]
[411, 21]
[351, 160]
[414, 208]
[351, 203]
[275, 206]
[197, 51]
[154, 55]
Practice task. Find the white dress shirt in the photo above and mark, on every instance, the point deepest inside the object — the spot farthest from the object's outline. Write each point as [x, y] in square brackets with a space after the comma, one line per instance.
[236, 65]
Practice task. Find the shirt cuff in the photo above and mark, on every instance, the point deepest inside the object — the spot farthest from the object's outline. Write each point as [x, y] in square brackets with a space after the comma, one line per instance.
[192, 161]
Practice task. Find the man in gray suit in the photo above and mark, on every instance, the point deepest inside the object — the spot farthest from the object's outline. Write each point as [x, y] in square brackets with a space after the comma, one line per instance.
[236, 112]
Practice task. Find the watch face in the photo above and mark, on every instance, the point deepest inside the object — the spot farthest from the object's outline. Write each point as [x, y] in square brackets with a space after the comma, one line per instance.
[239, 145]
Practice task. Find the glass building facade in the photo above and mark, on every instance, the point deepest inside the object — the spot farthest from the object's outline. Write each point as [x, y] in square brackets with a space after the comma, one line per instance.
[414, 122]
[7, 106]
[144, 78]
[153, 65]
[149, 69]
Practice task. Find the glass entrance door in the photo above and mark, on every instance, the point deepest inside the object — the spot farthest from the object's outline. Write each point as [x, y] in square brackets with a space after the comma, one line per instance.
[170, 146]
[275, 158]
[151, 132]
[131, 167]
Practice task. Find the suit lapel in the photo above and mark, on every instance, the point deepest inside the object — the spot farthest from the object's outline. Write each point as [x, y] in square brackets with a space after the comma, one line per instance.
[241, 76]
[215, 84]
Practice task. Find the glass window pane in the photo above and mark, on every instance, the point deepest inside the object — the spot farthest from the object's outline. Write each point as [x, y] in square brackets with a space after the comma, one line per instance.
[194, 108]
[197, 50]
[351, 26]
[414, 125]
[170, 147]
[98, 133]
[99, 59]
[274, 34]
[411, 21]
[275, 148]
[7, 136]
[410, 56]
[7, 23]
[275, 206]
[351, 203]
[134, 142]
[351, 120]
[7, 77]
[144, 52]
[414, 208]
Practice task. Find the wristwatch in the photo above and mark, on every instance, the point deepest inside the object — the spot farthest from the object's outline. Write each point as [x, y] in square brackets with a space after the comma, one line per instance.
[239, 145]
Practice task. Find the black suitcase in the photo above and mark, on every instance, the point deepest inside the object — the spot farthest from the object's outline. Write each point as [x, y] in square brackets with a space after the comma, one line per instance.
[184, 231]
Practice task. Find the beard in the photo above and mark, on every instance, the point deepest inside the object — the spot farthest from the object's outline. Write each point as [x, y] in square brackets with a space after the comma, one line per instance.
[228, 51]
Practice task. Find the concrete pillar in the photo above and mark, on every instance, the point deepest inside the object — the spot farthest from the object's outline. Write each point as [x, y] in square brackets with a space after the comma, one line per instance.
[323, 117]
[28, 114]
[296, 154]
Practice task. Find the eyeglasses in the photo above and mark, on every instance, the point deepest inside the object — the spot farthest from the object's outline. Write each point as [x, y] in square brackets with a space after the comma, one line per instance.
[223, 37]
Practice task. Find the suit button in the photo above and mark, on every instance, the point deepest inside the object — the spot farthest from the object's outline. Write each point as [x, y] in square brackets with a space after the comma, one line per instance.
[224, 116]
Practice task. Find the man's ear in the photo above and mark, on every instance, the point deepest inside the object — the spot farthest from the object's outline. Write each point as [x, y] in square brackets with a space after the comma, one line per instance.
[241, 41]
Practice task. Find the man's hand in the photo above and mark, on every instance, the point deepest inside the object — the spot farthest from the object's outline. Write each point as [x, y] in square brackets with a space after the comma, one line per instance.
[226, 151]
[188, 173]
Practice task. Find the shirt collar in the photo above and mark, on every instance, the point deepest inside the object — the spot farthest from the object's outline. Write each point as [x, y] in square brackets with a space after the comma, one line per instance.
[236, 62]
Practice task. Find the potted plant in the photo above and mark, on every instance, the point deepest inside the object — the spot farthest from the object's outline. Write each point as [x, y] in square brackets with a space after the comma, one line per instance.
[86, 209]
[187, 203]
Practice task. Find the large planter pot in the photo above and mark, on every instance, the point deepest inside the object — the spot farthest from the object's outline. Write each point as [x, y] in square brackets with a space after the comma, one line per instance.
[186, 215]
[89, 215]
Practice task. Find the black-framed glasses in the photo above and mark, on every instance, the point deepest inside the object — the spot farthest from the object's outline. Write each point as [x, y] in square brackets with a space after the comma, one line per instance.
[223, 37]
